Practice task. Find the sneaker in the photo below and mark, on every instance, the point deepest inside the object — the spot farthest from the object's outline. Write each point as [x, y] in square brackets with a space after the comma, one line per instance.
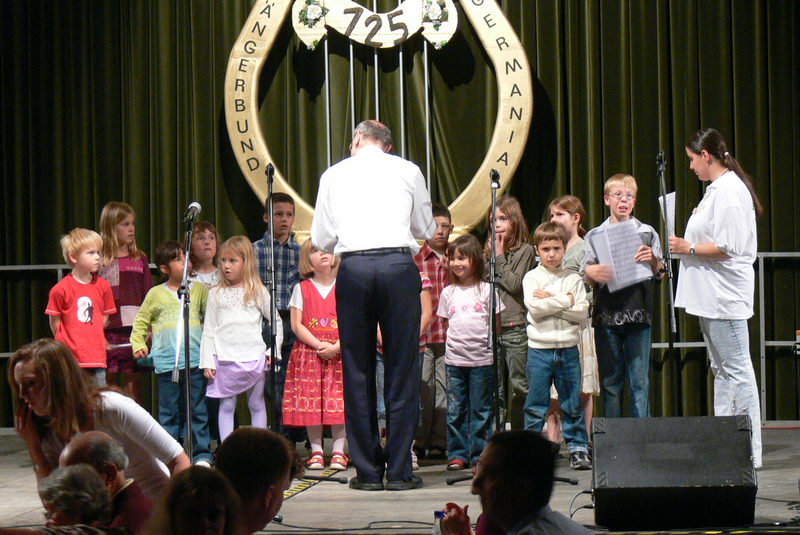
[414, 460]
[456, 464]
[579, 460]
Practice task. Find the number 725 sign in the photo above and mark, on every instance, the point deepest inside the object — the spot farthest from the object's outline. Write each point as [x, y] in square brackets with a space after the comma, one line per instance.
[437, 19]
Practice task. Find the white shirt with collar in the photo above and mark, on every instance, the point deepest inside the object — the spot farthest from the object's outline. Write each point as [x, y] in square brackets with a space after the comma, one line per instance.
[371, 200]
[721, 289]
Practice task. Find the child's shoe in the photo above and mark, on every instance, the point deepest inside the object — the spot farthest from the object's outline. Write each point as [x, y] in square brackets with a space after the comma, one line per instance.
[315, 461]
[339, 461]
[456, 464]
[579, 460]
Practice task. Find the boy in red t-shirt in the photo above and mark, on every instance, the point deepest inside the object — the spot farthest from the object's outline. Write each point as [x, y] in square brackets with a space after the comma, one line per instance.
[81, 301]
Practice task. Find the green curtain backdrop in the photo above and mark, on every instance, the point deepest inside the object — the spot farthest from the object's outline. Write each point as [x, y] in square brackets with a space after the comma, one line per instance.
[122, 100]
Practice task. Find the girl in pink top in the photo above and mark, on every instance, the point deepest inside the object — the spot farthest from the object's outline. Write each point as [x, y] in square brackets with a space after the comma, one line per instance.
[465, 305]
[127, 269]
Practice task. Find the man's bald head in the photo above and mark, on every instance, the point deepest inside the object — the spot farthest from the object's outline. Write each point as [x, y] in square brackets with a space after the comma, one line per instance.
[96, 449]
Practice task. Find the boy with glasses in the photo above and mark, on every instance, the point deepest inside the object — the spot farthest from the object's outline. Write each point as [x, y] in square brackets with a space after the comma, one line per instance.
[622, 319]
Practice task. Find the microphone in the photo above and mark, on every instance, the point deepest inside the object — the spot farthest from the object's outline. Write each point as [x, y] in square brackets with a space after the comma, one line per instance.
[192, 211]
[661, 161]
[494, 177]
[270, 172]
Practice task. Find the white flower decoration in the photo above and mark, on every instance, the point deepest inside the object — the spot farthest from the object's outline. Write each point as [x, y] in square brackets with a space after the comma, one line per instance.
[434, 11]
[314, 12]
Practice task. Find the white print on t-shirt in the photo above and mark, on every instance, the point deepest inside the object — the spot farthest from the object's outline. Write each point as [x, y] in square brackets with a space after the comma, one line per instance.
[85, 309]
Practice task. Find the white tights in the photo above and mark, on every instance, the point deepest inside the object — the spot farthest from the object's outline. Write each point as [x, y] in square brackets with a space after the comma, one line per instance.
[258, 410]
[315, 437]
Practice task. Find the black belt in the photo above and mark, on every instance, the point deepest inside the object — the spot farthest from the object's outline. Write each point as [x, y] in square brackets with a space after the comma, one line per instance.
[379, 251]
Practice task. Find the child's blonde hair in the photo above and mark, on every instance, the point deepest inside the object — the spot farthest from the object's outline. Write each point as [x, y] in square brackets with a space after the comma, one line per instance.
[202, 226]
[620, 179]
[243, 248]
[77, 240]
[306, 270]
[112, 215]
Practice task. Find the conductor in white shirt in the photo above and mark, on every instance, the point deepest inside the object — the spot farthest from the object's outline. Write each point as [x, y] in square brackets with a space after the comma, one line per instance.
[371, 208]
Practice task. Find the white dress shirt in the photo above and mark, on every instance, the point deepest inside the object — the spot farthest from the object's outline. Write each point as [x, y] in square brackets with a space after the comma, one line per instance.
[371, 200]
[721, 289]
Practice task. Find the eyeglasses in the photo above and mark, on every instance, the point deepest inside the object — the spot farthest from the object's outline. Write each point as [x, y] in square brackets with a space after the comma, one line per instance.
[618, 196]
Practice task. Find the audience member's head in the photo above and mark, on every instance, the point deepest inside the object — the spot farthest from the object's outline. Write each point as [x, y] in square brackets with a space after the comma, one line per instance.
[75, 495]
[45, 374]
[514, 477]
[102, 453]
[259, 464]
[197, 501]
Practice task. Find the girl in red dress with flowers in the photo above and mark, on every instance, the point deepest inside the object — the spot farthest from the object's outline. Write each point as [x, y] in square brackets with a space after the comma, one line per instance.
[313, 395]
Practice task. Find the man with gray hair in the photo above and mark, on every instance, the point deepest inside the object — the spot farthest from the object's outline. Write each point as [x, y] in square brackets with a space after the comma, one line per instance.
[371, 209]
[130, 508]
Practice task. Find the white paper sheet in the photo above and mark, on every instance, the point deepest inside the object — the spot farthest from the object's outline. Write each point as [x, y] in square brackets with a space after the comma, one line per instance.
[669, 217]
[616, 245]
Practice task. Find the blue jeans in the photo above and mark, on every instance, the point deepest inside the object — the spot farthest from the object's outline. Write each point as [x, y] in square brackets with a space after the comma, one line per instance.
[735, 387]
[172, 411]
[562, 367]
[624, 351]
[469, 410]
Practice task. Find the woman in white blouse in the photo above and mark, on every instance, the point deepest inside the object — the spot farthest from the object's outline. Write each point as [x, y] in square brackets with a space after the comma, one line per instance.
[716, 279]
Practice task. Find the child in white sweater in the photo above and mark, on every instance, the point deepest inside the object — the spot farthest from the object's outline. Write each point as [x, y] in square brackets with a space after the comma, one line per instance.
[556, 301]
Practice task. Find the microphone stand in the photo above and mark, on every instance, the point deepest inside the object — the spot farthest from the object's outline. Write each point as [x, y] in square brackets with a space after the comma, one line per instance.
[273, 310]
[185, 304]
[661, 164]
[494, 182]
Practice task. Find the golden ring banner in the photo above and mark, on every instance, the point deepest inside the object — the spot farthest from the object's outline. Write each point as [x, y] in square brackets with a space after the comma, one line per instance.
[512, 124]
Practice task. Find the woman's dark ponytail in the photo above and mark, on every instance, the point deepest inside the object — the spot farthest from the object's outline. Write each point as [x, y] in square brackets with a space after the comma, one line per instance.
[711, 141]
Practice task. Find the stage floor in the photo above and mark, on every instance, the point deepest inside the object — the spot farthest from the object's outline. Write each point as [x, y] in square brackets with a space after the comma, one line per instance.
[332, 507]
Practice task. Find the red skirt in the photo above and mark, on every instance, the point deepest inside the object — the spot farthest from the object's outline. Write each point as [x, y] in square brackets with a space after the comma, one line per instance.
[313, 393]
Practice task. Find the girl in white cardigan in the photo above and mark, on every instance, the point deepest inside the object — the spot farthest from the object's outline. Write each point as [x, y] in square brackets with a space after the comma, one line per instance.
[233, 354]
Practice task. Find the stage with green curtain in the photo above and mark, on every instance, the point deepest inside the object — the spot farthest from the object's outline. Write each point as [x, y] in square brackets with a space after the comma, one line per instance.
[123, 100]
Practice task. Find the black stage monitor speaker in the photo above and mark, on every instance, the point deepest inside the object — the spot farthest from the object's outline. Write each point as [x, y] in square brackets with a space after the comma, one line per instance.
[665, 473]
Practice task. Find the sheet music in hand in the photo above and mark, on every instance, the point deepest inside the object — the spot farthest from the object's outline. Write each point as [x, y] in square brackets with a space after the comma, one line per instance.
[669, 217]
[616, 245]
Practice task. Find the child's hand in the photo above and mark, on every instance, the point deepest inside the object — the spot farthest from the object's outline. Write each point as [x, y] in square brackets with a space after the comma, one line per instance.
[644, 254]
[456, 520]
[498, 244]
[142, 353]
[328, 351]
[599, 272]
[209, 373]
[541, 294]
